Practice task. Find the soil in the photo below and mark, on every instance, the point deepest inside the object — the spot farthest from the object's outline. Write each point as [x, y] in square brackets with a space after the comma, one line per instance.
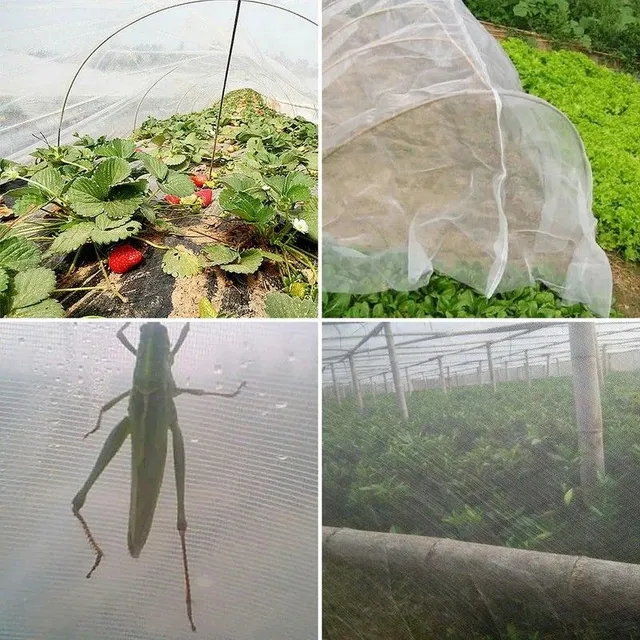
[626, 286]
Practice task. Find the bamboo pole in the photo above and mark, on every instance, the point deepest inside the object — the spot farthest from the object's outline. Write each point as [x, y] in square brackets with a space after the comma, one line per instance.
[391, 348]
[386, 384]
[548, 365]
[409, 388]
[492, 375]
[356, 386]
[443, 382]
[479, 374]
[527, 370]
[336, 389]
[586, 394]
[566, 589]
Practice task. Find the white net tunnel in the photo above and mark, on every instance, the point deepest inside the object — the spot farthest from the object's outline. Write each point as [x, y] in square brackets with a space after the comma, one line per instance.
[480, 480]
[102, 68]
[250, 494]
[434, 158]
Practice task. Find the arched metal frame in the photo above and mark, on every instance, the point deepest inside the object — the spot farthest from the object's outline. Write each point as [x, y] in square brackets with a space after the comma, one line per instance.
[155, 12]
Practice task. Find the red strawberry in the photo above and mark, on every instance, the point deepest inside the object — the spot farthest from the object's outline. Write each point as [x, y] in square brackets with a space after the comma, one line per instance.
[139, 150]
[123, 258]
[206, 195]
[199, 179]
[172, 199]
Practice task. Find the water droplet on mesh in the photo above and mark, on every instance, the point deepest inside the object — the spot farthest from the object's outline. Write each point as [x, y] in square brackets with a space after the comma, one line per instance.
[281, 405]
[262, 394]
[245, 346]
[21, 340]
[291, 357]
[217, 369]
[194, 440]
[283, 458]
[245, 364]
[219, 386]
[264, 413]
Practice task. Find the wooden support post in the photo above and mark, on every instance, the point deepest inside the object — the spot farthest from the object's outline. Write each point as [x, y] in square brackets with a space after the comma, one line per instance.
[356, 386]
[492, 376]
[391, 348]
[586, 394]
[443, 382]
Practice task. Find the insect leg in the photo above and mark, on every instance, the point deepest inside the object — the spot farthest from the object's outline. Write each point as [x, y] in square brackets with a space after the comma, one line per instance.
[201, 392]
[109, 405]
[179, 466]
[181, 339]
[120, 335]
[109, 449]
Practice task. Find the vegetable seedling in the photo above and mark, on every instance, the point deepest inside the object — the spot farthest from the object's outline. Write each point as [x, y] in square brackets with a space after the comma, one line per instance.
[151, 415]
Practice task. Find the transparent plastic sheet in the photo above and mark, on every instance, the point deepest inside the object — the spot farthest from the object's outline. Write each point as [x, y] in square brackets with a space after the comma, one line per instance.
[504, 503]
[251, 486]
[171, 61]
[434, 158]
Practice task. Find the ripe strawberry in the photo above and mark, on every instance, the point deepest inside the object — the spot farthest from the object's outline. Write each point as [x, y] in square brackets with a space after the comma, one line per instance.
[206, 195]
[123, 258]
[172, 199]
[198, 180]
[139, 150]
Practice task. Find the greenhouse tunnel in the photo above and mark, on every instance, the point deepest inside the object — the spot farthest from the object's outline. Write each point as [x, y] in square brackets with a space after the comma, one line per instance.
[115, 65]
[466, 174]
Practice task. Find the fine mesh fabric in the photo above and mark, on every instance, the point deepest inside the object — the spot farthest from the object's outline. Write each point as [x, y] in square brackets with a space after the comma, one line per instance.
[251, 486]
[481, 480]
[157, 58]
[435, 158]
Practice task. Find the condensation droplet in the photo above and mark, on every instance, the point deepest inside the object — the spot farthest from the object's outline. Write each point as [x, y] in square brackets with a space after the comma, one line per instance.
[283, 458]
[281, 405]
[219, 386]
[262, 394]
[291, 357]
[217, 369]
[264, 413]
[21, 340]
[194, 440]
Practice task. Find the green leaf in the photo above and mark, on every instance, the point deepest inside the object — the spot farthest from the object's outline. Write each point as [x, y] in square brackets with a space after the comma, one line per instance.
[217, 254]
[87, 197]
[274, 257]
[154, 166]
[17, 254]
[123, 207]
[117, 148]
[309, 213]
[50, 180]
[181, 263]
[72, 238]
[107, 236]
[28, 203]
[111, 172]
[205, 309]
[48, 308]
[173, 161]
[4, 280]
[568, 496]
[250, 262]
[177, 184]
[31, 286]
[280, 305]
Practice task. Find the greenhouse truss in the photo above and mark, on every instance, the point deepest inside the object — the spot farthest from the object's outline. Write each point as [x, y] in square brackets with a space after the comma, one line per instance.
[434, 158]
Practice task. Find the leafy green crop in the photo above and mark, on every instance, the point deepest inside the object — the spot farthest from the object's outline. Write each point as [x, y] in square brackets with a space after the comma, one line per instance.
[445, 297]
[605, 108]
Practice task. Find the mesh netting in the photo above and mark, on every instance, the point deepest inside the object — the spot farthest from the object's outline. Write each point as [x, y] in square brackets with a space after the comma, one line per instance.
[434, 158]
[121, 61]
[251, 486]
[481, 480]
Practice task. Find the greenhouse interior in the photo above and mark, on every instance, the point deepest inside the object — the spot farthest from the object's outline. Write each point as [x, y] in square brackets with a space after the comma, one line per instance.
[481, 480]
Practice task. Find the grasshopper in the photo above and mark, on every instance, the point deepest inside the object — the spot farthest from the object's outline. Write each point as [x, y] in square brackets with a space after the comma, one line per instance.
[152, 413]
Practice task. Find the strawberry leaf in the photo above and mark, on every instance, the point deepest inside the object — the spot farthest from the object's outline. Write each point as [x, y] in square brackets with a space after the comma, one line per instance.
[86, 197]
[31, 286]
[154, 166]
[181, 263]
[107, 236]
[173, 161]
[250, 262]
[177, 184]
[280, 305]
[309, 213]
[4, 280]
[117, 149]
[111, 172]
[72, 238]
[17, 254]
[48, 308]
[217, 254]
[50, 180]
[29, 202]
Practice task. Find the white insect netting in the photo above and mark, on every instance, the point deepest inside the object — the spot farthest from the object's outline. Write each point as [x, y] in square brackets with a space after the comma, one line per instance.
[251, 486]
[481, 480]
[435, 158]
[135, 59]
